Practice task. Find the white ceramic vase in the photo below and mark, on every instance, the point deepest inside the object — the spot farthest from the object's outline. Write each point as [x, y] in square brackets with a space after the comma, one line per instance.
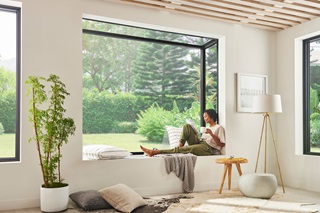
[54, 199]
[258, 185]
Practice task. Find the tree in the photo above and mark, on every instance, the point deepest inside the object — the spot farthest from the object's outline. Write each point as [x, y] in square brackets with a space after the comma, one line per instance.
[8, 100]
[107, 61]
[211, 73]
[161, 74]
[7, 80]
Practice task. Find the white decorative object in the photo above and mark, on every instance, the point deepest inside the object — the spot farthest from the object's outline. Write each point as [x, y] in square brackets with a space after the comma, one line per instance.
[174, 134]
[103, 152]
[258, 185]
[248, 86]
[54, 199]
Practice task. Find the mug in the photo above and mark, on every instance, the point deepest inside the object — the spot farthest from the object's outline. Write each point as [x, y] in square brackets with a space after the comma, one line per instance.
[203, 129]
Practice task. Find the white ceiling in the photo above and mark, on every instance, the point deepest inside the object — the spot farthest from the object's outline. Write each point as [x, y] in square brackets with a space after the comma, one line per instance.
[273, 15]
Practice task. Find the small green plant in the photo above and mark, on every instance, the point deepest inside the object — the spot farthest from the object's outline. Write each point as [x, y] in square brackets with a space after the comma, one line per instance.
[126, 127]
[315, 130]
[51, 127]
[1, 129]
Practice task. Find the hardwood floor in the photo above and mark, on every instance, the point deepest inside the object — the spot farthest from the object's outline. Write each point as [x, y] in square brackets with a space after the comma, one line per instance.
[293, 194]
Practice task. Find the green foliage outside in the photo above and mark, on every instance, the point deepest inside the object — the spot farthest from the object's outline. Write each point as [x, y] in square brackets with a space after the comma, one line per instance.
[1, 129]
[8, 100]
[104, 112]
[315, 130]
[314, 106]
[152, 122]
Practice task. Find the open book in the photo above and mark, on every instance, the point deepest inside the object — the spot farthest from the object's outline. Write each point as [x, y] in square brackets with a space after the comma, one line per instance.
[188, 121]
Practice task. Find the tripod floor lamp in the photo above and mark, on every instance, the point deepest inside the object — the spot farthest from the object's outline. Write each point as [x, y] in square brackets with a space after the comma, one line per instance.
[266, 104]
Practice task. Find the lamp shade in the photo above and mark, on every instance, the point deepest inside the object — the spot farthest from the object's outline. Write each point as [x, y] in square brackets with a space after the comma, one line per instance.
[267, 104]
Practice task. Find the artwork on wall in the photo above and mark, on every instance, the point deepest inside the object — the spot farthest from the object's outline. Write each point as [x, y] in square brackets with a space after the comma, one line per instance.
[249, 85]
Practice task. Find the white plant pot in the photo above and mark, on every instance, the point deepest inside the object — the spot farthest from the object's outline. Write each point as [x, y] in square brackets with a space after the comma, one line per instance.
[54, 199]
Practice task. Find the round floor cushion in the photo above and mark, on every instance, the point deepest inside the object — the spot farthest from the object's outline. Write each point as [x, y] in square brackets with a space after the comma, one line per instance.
[258, 185]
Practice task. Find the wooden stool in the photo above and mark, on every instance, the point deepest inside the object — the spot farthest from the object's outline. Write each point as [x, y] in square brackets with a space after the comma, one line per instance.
[228, 168]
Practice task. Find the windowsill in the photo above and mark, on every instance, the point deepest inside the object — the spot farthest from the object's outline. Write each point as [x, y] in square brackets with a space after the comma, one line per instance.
[146, 157]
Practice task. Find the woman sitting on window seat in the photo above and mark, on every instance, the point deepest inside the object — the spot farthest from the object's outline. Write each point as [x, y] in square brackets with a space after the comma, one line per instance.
[210, 143]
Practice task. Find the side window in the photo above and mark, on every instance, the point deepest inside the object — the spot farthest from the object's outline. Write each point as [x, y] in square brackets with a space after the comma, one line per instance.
[9, 83]
[311, 87]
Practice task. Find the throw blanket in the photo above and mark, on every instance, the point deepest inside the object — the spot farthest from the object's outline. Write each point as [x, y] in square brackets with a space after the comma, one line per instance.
[183, 166]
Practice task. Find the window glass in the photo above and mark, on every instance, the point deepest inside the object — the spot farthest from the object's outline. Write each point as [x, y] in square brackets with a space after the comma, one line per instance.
[9, 90]
[312, 94]
[142, 32]
[134, 88]
[211, 80]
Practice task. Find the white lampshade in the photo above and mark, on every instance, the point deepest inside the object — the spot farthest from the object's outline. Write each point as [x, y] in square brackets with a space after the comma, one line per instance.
[267, 104]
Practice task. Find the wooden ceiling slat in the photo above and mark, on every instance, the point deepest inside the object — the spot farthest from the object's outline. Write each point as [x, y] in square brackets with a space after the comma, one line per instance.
[259, 4]
[292, 6]
[196, 14]
[267, 14]
[251, 13]
[307, 3]
[210, 13]
[275, 12]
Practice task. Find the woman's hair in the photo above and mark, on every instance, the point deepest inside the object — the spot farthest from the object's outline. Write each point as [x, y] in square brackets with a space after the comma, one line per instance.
[212, 114]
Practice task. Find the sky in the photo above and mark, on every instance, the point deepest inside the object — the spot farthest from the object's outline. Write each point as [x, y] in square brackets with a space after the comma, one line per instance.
[7, 35]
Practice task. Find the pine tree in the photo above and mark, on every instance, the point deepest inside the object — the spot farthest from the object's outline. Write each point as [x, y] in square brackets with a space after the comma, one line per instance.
[161, 71]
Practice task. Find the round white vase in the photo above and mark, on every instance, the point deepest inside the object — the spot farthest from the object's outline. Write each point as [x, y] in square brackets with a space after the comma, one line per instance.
[54, 199]
[258, 185]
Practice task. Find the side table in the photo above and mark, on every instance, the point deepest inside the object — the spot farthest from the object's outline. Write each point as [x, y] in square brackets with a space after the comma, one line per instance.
[228, 168]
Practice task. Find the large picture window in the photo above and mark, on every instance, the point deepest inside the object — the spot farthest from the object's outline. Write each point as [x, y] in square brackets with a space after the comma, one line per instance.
[138, 81]
[311, 93]
[9, 83]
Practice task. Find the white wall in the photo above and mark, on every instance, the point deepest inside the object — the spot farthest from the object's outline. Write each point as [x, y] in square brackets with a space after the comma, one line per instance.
[298, 171]
[52, 43]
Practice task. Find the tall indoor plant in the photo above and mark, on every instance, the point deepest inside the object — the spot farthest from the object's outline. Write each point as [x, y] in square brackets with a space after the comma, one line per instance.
[51, 131]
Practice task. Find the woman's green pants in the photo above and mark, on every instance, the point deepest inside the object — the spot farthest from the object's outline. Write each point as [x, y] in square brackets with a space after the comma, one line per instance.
[195, 146]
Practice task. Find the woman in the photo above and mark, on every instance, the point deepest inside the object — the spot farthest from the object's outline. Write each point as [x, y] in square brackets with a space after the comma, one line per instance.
[210, 143]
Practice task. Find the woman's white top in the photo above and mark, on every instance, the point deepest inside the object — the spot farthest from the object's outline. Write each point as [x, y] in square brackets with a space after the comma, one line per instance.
[219, 132]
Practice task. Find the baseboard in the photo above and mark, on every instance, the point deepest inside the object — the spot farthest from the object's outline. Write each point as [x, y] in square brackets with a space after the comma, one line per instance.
[19, 204]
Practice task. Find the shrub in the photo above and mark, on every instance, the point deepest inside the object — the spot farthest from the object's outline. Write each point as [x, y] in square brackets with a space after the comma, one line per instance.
[1, 129]
[8, 111]
[315, 130]
[126, 127]
[152, 121]
[103, 111]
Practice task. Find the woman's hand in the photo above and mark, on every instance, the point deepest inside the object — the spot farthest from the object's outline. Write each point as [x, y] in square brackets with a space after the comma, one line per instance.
[208, 131]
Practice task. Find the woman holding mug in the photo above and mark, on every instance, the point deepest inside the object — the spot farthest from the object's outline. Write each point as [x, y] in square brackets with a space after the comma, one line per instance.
[210, 143]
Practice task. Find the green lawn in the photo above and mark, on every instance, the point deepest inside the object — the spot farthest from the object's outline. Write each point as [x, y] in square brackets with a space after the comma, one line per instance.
[7, 142]
[129, 142]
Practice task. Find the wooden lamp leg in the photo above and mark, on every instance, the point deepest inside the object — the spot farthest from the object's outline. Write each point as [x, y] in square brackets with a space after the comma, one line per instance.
[275, 149]
[262, 129]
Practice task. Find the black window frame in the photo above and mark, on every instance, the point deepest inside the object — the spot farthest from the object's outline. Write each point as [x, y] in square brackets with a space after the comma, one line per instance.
[202, 48]
[17, 11]
[306, 96]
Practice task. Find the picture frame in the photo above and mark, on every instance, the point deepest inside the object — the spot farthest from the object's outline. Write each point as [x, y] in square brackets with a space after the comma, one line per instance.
[249, 85]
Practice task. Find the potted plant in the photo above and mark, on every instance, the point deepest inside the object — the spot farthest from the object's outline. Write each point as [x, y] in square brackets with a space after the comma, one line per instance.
[51, 131]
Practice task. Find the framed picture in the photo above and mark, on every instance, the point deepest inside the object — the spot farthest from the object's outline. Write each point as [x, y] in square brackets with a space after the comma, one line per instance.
[249, 85]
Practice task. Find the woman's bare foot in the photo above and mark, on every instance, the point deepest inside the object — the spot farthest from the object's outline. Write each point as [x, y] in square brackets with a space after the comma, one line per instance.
[149, 152]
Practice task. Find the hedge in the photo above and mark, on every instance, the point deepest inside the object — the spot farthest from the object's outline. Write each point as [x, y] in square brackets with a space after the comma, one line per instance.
[105, 113]
[8, 111]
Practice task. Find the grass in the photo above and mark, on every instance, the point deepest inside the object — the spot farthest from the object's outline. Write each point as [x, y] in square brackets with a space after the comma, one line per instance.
[7, 144]
[129, 142]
